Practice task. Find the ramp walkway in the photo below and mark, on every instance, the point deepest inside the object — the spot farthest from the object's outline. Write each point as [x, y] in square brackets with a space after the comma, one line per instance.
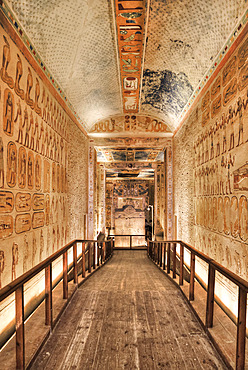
[128, 315]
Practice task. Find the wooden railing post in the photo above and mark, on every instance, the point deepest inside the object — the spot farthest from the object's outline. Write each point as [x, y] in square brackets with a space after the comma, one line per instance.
[241, 330]
[168, 258]
[174, 260]
[210, 297]
[75, 274]
[98, 254]
[161, 254]
[192, 277]
[158, 247]
[20, 340]
[94, 255]
[65, 276]
[164, 248]
[104, 251]
[181, 264]
[83, 259]
[48, 296]
[89, 257]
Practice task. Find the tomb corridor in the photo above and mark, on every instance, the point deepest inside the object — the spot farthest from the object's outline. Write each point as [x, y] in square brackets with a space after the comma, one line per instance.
[123, 184]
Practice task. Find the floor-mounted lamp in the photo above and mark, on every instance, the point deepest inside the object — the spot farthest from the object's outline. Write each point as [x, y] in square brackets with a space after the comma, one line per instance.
[148, 209]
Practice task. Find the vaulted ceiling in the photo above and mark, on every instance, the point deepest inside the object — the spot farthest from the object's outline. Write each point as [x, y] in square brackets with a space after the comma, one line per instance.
[92, 46]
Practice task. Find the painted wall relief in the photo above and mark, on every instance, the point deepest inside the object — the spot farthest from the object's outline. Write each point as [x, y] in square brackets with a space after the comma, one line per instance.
[221, 162]
[33, 141]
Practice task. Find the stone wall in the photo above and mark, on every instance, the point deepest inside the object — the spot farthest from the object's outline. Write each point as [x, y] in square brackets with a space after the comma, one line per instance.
[43, 165]
[211, 170]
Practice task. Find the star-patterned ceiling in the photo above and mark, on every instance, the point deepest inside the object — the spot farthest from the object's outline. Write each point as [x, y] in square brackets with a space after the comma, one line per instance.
[81, 43]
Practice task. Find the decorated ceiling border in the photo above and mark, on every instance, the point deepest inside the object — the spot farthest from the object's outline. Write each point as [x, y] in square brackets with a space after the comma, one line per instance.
[9, 14]
[135, 123]
[130, 25]
[232, 38]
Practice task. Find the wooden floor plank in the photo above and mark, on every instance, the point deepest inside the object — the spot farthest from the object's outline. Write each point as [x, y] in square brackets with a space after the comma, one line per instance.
[128, 316]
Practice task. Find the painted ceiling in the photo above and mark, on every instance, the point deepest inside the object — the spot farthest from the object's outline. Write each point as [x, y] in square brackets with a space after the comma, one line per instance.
[120, 57]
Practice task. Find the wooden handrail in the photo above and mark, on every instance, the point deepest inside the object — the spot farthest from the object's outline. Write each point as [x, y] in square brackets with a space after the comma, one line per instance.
[154, 251]
[17, 285]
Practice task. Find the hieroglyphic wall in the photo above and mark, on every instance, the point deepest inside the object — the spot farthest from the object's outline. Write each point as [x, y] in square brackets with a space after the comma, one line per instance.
[35, 136]
[211, 168]
[119, 194]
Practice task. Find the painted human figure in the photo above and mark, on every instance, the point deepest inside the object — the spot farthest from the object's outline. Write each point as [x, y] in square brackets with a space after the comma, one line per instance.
[9, 112]
[223, 166]
[42, 139]
[21, 122]
[5, 62]
[211, 134]
[30, 172]
[29, 101]
[46, 142]
[48, 110]
[19, 72]
[230, 120]
[55, 148]
[1, 164]
[2, 265]
[61, 149]
[28, 126]
[37, 146]
[216, 131]
[230, 163]
[223, 126]
[50, 145]
[37, 174]
[239, 112]
[15, 255]
[12, 168]
[32, 131]
[22, 170]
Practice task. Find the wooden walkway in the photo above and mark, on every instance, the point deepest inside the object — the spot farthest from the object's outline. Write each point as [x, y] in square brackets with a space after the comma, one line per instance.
[128, 315]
